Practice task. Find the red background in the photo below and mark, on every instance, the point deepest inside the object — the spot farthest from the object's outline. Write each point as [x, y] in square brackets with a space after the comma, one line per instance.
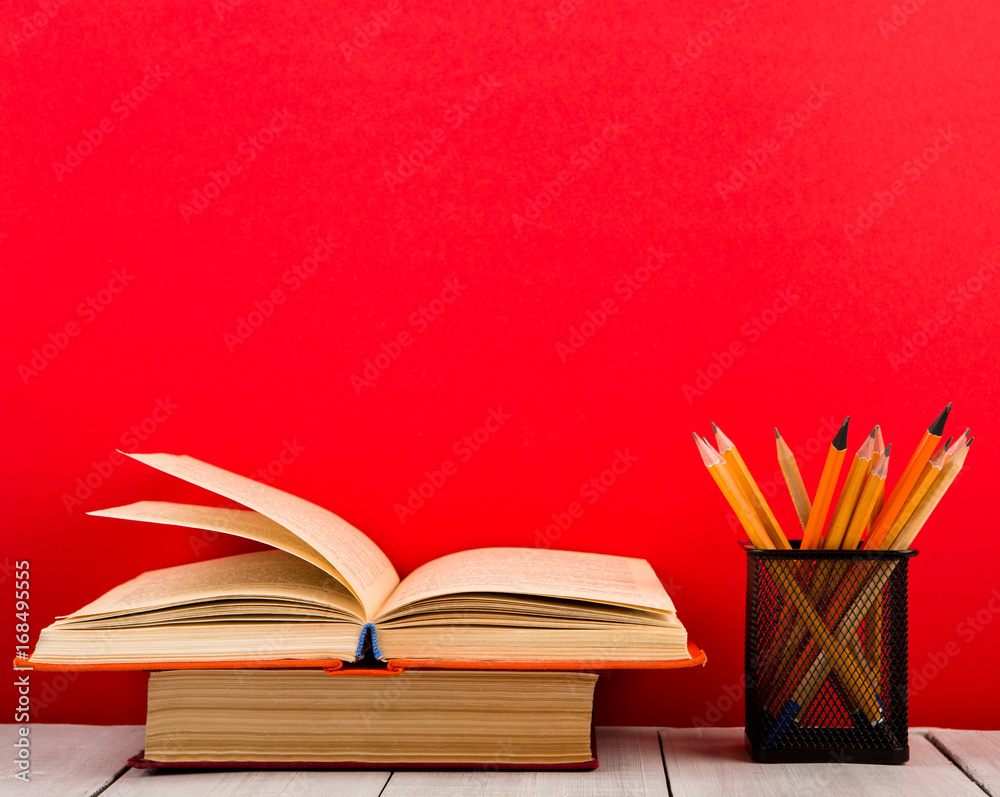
[883, 83]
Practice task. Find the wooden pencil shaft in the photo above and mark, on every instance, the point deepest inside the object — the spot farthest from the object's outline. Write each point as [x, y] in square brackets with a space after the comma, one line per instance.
[878, 575]
[923, 484]
[847, 502]
[930, 501]
[757, 499]
[850, 670]
[824, 496]
[793, 480]
[906, 482]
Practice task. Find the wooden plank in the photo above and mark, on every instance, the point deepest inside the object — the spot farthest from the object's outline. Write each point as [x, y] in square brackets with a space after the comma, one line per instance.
[977, 753]
[71, 759]
[247, 783]
[630, 760]
[709, 761]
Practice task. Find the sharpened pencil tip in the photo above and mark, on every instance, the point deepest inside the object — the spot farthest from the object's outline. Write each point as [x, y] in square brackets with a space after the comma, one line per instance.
[777, 434]
[937, 428]
[840, 441]
[888, 450]
[875, 429]
[970, 442]
[715, 429]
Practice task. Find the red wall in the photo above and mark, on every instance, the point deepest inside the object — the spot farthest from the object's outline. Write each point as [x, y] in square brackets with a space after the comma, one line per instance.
[537, 160]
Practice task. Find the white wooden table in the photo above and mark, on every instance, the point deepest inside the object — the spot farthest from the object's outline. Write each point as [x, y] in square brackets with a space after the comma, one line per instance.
[88, 760]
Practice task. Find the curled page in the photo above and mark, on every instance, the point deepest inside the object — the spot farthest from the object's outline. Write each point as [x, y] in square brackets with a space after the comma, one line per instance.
[239, 522]
[365, 569]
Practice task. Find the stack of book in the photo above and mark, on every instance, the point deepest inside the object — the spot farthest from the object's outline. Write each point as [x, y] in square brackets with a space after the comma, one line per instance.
[316, 654]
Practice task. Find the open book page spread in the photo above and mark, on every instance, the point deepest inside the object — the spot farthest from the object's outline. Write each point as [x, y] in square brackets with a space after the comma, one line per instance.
[364, 567]
[268, 575]
[615, 580]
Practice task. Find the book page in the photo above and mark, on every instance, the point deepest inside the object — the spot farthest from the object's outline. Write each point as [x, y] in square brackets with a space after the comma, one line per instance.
[239, 522]
[268, 574]
[536, 571]
[367, 571]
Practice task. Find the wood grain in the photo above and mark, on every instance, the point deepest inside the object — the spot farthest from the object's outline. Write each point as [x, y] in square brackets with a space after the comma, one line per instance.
[977, 753]
[70, 759]
[247, 783]
[711, 761]
[630, 760]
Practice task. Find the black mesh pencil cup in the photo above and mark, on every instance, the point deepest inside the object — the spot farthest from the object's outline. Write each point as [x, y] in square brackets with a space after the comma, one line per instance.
[826, 656]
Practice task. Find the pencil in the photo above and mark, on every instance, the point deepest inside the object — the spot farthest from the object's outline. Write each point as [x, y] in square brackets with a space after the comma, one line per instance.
[852, 669]
[931, 471]
[824, 492]
[913, 470]
[793, 478]
[879, 445]
[931, 499]
[874, 487]
[849, 493]
[872, 490]
[846, 628]
[748, 518]
[729, 452]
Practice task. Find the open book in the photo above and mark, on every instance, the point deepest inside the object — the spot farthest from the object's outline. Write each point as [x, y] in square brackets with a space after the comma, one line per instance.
[328, 592]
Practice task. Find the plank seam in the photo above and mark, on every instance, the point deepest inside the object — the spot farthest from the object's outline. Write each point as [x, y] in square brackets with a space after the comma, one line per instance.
[663, 760]
[943, 749]
[112, 781]
[386, 784]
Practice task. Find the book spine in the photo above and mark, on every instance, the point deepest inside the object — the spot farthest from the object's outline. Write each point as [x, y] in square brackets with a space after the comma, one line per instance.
[360, 652]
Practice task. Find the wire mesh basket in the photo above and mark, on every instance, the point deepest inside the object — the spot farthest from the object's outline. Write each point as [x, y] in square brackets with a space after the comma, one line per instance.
[826, 655]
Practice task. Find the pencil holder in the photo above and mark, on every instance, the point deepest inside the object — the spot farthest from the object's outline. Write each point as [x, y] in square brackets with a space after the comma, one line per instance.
[826, 655]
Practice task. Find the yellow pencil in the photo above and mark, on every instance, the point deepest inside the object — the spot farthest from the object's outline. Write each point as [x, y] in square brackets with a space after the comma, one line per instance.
[931, 499]
[748, 518]
[874, 487]
[849, 493]
[879, 446]
[913, 470]
[793, 478]
[932, 470]
[824, 492]
[729, 452]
